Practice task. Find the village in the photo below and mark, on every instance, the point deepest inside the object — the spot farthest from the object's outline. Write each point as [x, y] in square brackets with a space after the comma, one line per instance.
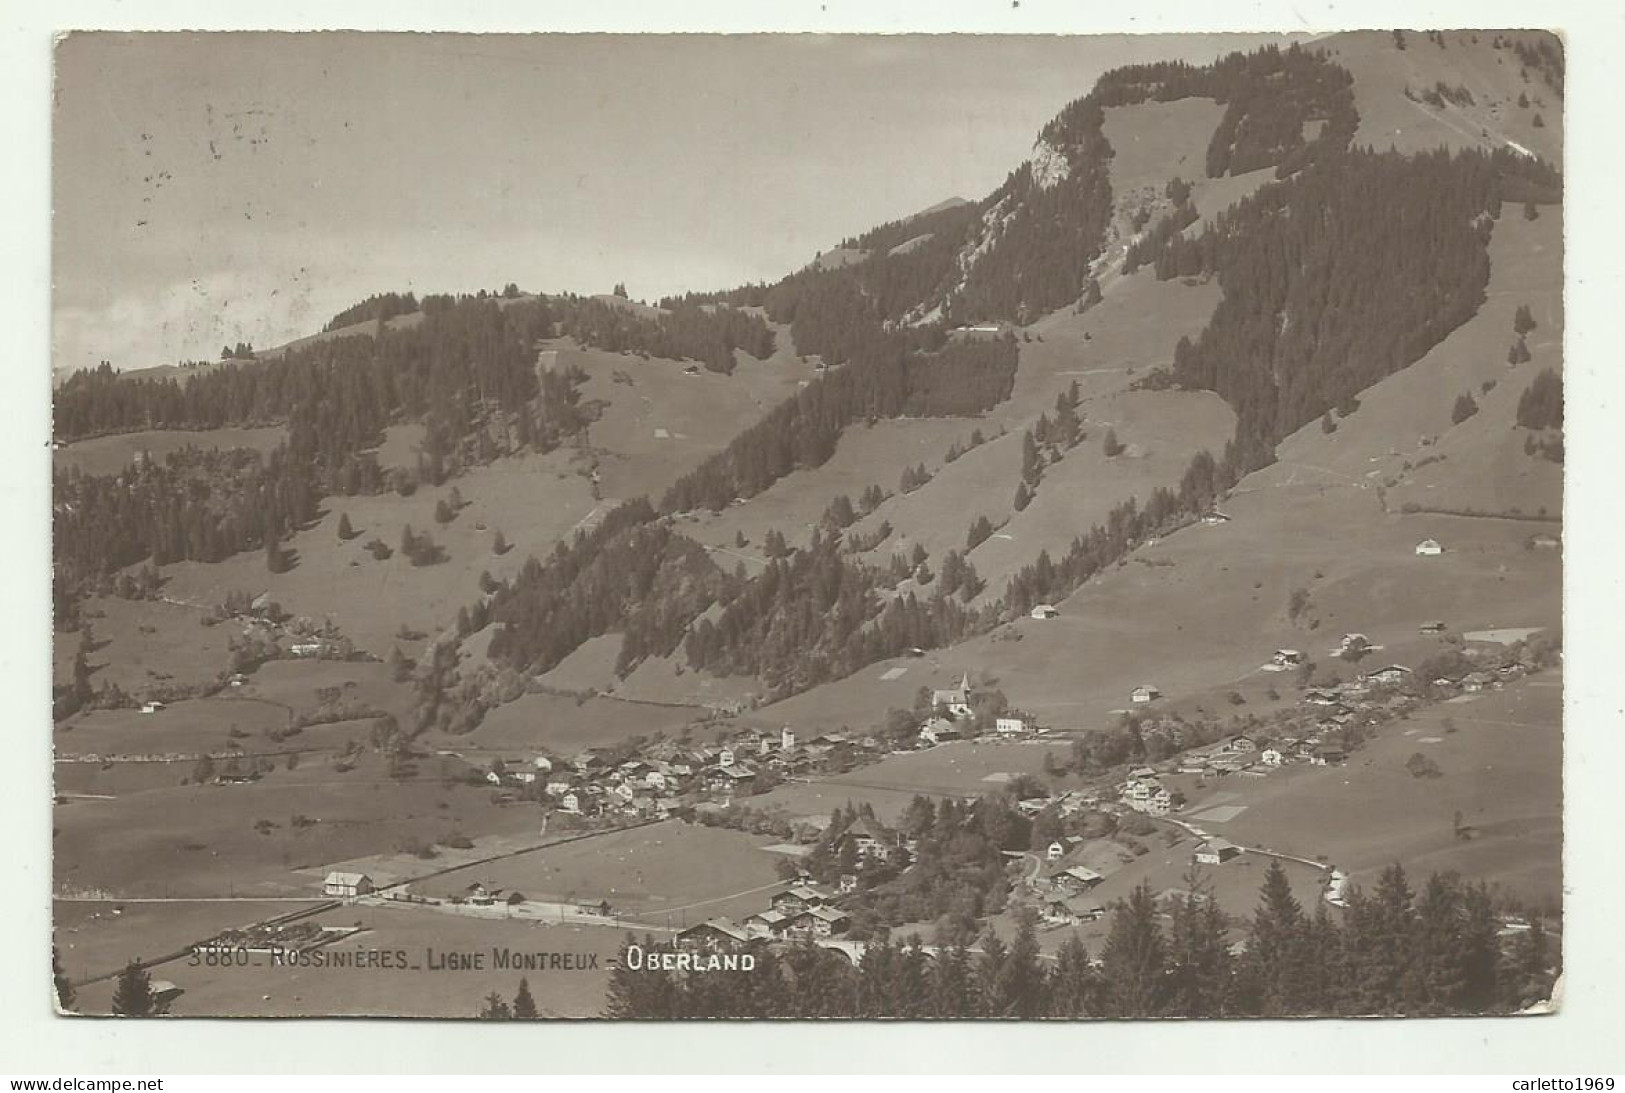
[606, 789]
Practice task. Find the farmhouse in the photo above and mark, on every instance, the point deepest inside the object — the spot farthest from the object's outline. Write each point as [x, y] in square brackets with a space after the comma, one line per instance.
[1271, 757]
[727, 778]
[1058, 911]
[1287, 658]
[1217, 852]
[1074, 879]
[1055, 851]
[818, 922]
[769, 923]
[1434, 627]
[347, 885]
[1213, 518]
[1428, 548]
[1044, 611]
[716, 934]
[795, 900]
[955, 699]
[1144, 693]
[1390, 675]
[869, 838]
[937, 730]
[151, 707]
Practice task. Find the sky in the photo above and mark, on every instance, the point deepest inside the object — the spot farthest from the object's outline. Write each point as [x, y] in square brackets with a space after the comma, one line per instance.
[216, 188]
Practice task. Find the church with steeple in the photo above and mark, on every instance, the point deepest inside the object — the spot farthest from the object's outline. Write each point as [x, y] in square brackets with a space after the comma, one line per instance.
[955, 699]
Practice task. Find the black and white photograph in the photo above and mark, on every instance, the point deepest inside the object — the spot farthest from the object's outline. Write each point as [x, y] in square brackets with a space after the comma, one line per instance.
[807, 526]
[905, 531]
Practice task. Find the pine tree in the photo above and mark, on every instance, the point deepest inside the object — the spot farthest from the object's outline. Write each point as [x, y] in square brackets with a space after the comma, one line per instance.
[877, 971]
[1523, 321]
[346, 532]
[275, 560]
[1021, 987]
[1466, 406]
[1276, 964]
[1072, 985]
[1031, 466]
[1134, 959]
[1381, 946]
[524, 1006]
[988, 971]
[622, 995]
[1199, 958]
[981, 530]
[1023, 497]
[1112, 447]
[950, 984]
[493, 1007]
[133, 995]
[1437, 976]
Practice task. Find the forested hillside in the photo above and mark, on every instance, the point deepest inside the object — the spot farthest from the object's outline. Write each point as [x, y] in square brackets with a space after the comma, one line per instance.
[1340, 276]
[884, 380]
[1347, 267]
[467, 373]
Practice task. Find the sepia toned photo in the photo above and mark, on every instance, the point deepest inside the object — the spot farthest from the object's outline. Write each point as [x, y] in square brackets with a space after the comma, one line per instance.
[929, 527]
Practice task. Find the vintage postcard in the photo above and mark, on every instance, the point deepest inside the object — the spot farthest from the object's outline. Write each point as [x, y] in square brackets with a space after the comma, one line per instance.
[808, 526]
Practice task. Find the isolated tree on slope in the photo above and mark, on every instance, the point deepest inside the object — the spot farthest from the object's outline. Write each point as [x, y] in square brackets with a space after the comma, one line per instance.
[133, 995]
[524, 1006]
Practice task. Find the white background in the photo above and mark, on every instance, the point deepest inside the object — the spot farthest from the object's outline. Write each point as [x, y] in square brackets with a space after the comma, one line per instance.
[1586, 1037]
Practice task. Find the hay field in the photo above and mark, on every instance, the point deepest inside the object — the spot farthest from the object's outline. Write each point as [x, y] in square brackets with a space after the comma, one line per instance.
[94, 940]
[1203, 609]
[865, 455]
[1154, 141]
[666, 421]
[145, 643]
[1388, 119]
[186, 728]
[534, 500]
[647, 872]
[1502, 769]
[1479, 464]
[201, 840]
[564, 726]
[1162, 429]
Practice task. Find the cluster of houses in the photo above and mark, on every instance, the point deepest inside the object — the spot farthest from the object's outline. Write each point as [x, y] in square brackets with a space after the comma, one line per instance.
[269, 634]
[666, 775]
[802, 911]
[1241, 754]
[952, 714]
[806, 910]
